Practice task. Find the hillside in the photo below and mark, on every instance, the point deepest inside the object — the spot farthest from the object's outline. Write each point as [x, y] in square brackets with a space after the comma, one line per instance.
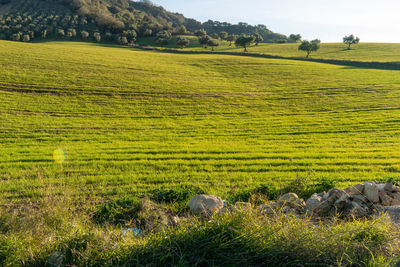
[127, 123]
[81, 143]
[103, 21]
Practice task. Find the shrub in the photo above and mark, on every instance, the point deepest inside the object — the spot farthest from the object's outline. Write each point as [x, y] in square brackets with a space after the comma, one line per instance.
[179, 197]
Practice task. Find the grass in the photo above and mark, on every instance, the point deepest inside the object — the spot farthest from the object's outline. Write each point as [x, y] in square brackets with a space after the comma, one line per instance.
[364, 52]
[133, 122]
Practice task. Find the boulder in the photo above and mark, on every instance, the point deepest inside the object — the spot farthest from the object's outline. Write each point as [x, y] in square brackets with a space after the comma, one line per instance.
[269, 208]
[360, 199]
[355, 190]
[388, 187]
[324, 209]
[371, 192]
[289, 197]
[205, 204]
[335, 194]
[293, 201]
[342, 201]
[384, 198]
[313, 202]
[358, 211]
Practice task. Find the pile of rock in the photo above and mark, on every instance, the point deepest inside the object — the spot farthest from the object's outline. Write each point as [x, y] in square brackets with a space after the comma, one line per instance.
[362, 200]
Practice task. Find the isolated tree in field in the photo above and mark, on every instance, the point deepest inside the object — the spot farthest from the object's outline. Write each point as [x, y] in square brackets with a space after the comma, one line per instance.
[182, 42]
[350, 40]
[231, 38]
[244, 41]
[199, 33]
[213, 43]
[258, 38]
[295, 38]
[203, 40]
[163, 38]
[310, 47]
[223, 35]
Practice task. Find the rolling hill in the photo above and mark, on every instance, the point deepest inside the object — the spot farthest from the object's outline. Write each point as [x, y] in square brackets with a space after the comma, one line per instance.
[103, 21]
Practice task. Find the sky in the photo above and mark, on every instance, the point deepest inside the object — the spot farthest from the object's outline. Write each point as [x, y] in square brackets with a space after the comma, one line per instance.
[327, 20]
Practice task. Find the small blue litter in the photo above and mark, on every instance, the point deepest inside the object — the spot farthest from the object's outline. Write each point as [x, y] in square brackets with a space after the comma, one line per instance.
[135, 231]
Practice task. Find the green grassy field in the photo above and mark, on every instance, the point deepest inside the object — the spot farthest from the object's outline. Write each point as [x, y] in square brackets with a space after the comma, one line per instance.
[365, 52]
[131, 121]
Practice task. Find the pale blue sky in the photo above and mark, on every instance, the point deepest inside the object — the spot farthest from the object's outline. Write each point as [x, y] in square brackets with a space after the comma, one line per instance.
[328, 20]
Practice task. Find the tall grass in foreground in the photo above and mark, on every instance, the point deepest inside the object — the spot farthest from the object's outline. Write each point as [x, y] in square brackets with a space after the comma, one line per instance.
[30, 236]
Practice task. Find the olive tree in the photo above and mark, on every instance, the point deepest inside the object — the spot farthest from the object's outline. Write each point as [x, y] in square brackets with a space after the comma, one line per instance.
[231, 38]
[309, 47]
[258, 38]
[244, 41]
[182, 42]
[213, 43]
[163, 38]
[350, 40]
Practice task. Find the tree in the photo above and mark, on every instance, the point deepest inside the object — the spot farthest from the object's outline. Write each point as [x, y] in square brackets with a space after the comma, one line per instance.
[203, 40]
[350, 40]
[200, 33]
[97, 36]
[223, 35]
[231, 38]
[26, 38]
[213, 43]
[163, 38]
[215, 35]
[182, 42]
[309, 47]
[122, 40]
[258, 38]
[60, 33]
[84, 35]
[244, 41]
[181, 30]
[295, 38]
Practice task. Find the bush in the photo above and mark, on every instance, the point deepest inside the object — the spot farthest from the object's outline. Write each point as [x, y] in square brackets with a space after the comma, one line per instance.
[117, 212]
[257, 195]
[179, 197]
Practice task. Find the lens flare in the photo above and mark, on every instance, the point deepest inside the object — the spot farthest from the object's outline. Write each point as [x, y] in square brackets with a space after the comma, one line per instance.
[59, 155]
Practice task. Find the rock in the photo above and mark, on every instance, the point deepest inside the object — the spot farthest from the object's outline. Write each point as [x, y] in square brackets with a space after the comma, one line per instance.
[313, 202]
[205, 204]
[393, 212]
[384, 198]
[388, 187]
[342, 201]
[55, 260]
[289, 197]
[396, 195]
[324, 209]
[396, 188]
[243, 206]
[174, 221]
[360, 199]
[355, 190]
[371, 192]
[270, 208]
[381, 187]
[293, 201]
[358, 211]
[395, 202]
[335, 194]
